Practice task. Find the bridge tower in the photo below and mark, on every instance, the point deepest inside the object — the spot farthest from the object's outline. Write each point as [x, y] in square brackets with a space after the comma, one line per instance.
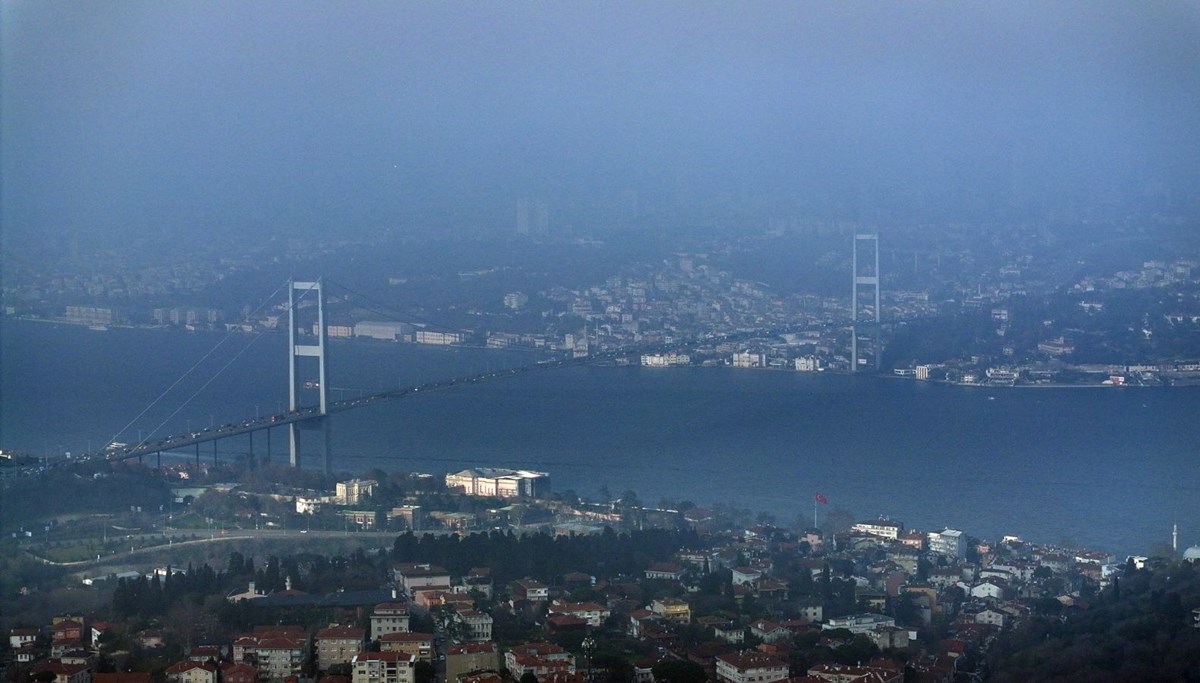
[866, 274]
[295, 353]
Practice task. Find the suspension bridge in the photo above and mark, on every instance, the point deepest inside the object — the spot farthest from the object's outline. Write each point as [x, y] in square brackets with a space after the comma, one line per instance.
[314, 419]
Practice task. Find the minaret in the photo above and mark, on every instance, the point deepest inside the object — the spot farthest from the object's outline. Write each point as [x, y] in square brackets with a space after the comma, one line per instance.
[1175, 539]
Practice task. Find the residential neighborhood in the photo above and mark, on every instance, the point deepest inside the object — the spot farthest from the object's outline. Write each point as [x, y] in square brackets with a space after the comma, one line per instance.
[874, 601]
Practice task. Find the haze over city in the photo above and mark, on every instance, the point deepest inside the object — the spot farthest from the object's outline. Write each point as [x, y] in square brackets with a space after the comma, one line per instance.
[270, 118]
[623, 342]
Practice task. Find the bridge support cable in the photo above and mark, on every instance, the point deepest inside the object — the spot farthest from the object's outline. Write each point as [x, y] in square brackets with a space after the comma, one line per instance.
[204, 386]
[228, 335]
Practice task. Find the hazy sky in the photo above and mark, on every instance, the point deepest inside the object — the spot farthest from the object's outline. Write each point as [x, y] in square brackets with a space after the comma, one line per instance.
[270, 116]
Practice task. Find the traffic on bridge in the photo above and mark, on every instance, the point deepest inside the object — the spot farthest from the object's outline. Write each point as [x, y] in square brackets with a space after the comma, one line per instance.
[116, 452]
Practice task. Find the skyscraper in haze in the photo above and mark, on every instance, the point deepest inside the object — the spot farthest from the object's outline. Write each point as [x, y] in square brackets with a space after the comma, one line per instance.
[533, 217]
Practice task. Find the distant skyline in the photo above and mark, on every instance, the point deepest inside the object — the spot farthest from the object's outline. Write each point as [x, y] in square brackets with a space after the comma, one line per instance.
[267, 118]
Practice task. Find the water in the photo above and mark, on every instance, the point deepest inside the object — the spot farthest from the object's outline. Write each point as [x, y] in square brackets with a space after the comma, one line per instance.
[1106, 468]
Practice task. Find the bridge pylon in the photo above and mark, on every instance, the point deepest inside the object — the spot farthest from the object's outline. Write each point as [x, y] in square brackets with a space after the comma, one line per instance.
[865, 274]
[296, 351]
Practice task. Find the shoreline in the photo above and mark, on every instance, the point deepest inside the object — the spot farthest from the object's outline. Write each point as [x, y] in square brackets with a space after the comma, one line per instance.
[840, 373]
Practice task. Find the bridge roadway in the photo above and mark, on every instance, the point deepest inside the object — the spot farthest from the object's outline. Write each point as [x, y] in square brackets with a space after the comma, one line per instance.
[179, 441]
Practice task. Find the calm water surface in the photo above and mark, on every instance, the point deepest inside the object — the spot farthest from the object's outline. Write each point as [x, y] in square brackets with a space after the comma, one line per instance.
[1109, 468]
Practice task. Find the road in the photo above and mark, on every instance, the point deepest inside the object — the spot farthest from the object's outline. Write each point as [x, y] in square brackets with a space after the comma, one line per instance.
[219, 537]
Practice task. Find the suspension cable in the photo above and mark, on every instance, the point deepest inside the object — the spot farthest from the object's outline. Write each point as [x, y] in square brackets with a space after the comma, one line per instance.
[227, 337]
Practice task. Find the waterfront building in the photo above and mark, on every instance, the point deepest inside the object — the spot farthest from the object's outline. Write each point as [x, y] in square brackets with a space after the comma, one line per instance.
[500, 483]
[352, 492]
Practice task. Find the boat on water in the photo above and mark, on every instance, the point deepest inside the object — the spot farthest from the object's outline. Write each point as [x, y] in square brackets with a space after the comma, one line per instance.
[98, 328]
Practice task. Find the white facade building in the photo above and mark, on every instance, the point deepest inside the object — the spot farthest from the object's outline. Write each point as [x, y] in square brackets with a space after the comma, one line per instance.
[500, 483]
[883, 528]
[808, 364]
[750, 667]
[747, 359]
[383, 667]
[949, 542]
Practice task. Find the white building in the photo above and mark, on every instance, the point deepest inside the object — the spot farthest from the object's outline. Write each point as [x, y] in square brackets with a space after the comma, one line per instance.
[859, 623]
[808, 364]
[949, 542]
[308, 506]
[383, 667]
[750, 667]
[991, 617]
[500, 483]
[662, 360]
[747, 359]
[993, 588]
[884, 528]
[516, 300]
[389, 617]
[387, 331]
[352, 492]
[438, 338]
[477, 626]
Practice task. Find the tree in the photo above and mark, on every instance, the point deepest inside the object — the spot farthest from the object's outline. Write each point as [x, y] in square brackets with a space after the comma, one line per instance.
[905, 610]
[528, 677]
[618, 669]
[678, 671]
[838, 519]
[424, 672]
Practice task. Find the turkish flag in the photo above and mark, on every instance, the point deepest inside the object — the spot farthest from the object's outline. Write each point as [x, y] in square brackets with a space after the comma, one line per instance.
[822, 499]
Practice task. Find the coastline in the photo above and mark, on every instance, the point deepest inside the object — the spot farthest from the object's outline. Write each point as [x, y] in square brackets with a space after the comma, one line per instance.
[1016, 385]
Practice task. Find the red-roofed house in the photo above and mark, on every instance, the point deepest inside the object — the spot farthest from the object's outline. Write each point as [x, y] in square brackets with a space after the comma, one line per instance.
[745, 576]
[68, 629]
[668, 571]
[383, 667]
[590, 612]
[125, 677]
[235, 673]
[278, 652]
[20, 637]
[750, 667]
[841, 673]
[338, 645]
[540, 659]
[204, 653]
[769, 631]
[529, 589]
[191, 672]
[639, 619]
[470, 657]
[419, 645]
[63, 673]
